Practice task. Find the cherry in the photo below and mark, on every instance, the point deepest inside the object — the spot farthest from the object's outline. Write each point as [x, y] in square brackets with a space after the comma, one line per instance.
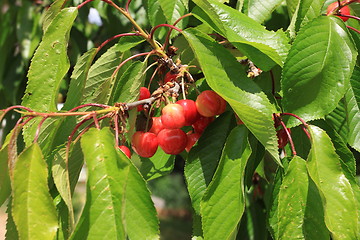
[170, 76]
[173, 116]
[190, 111]
[191, 140]
[144, 143]
[200, 125]
[144, 94]
[172, 141]
[157, 125]
[282, 137]
[125, 150]
[344, 10]
[209, 104]
[238, 120]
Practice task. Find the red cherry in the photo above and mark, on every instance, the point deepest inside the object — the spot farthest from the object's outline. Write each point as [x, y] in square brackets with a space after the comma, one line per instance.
[125, 150]
[191, 140]
[172, 141]
[282, 137]
[344, 10]
[144, 143]
[170, 76]
[144, 94]
[190, 111]
[209, 104]
[157, 125]
[173, 116]
[200, 125]
[238, 120]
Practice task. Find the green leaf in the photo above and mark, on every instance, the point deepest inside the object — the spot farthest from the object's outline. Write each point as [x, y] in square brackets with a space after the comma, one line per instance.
[49, 64]
[5, 188]
[99, 84]
[337, 195]
[11, 231]
[227, 188]
[48, 67]
[203, 158]
[261, 10]
[225, 76]
[65, 174]
[173, 10]
[78, 79]
[264, 48]
[295, 200]
[117, 196]
[51, 13]
[303, 11]
[352, 103]
[139, 208]
[105, 188]
[127, 88]
[32, 203]
[311, 70]
[157, 166]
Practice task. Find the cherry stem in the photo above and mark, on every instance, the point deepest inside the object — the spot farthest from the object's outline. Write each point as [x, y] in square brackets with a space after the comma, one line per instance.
[127, 6]
[297, 117]
[354, 29]
[115, 37]
[116, 122]
[348, 16]
[96, 122]
[289, 137]
[89, 105]
[163, 25]
[167, 39]
[88, 127]
[183, 87]
[128, 59]
[153, 76]
[39, 128]
[84, 3]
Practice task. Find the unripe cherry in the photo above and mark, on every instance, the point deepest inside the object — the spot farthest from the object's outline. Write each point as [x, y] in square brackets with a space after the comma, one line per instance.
[144, 144]
[210, 104]
[172, 141]
[172, 116]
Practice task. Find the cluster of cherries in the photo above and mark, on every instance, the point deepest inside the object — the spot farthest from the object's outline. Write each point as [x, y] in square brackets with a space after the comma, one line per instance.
[165, 131]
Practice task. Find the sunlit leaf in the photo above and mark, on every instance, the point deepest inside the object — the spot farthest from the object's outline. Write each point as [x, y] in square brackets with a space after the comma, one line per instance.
[312, 83]
[204, 157]
[227, 188]
[337, 195]
[226, 77]
[33, 208]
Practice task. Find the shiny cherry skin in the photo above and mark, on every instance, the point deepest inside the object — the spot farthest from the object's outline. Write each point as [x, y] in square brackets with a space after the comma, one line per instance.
[144, 143]
[190, 111]
[157, 125]
[172, 141]
[172, 116]
[125, 150]
[344, 10]
[200, 125]
[192, 138]
[144, 94]
[210, 104]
